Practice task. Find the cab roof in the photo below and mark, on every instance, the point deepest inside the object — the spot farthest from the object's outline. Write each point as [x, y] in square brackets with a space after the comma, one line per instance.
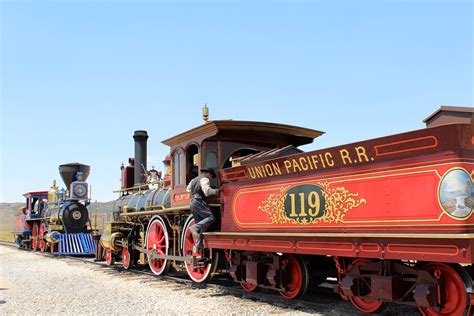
[36, 194]
[248, 131]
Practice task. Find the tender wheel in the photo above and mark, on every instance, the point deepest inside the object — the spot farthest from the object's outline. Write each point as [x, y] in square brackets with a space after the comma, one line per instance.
[365, 304]
[109, 257]
[126, 258]
[198, 272]
[296, 273]
[248, 287]
[34, 237]
[453, 289]
[157, 240]
[42, 242]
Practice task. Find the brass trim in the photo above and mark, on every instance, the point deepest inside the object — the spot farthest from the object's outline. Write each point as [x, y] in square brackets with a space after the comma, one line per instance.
[344, 235]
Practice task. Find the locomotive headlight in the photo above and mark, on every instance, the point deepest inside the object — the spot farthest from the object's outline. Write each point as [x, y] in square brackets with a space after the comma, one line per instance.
[76, 215]
[456, 194]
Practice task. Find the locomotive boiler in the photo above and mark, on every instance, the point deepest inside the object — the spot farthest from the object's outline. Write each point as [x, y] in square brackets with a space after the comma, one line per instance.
[57, 220]
[389, 218]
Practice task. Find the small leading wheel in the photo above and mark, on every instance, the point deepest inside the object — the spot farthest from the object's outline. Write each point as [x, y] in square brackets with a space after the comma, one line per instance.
[365, 304]
[454, 291]
[109, 257]
[34, 237]
[157, 241]
[297, 277]
[126, 258]
[42, 242]
[248, 287]
[199, 272]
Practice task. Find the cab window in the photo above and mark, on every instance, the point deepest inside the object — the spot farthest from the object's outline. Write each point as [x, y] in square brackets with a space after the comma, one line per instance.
[192, 162]
[211, 160]
[178, 168]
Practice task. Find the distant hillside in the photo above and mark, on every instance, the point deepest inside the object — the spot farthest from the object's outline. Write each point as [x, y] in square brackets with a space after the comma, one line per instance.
[10, 207]
[101, 207]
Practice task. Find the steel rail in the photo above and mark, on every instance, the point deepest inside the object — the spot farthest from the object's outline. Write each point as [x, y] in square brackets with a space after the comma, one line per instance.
[329, 304]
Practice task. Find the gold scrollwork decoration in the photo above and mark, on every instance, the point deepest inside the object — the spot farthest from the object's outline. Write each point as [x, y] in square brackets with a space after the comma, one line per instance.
[337, 202]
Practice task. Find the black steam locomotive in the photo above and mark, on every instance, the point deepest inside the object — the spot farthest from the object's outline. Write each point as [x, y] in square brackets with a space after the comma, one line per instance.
[57, 220]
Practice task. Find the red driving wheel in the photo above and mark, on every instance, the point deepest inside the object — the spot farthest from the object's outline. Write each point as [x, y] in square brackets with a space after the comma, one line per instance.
[297, 274]
[34, 237]
[157, 241]
[248, 287]
[198, 272]
[126, 258]
[42, 242]
[453, 288]
[365, 304]
[109, 257]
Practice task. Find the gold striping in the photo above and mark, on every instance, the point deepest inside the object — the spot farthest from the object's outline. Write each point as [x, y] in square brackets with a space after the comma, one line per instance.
[343, 235]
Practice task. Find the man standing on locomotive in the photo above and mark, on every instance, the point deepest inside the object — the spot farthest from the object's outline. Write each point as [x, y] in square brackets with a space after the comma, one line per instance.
[200, 189]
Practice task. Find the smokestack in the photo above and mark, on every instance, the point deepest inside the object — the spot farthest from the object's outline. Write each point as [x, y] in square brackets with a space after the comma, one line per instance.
[140, 138]
[69, 170]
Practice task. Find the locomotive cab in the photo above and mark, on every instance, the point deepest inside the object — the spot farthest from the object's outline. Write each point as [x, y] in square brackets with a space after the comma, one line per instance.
[152, 223]
[220, 144]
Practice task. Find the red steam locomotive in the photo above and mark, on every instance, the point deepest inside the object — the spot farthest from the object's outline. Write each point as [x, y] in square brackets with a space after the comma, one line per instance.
[390, 218]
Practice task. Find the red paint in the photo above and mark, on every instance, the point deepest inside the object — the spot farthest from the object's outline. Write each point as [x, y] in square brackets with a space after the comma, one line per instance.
[126, 258]
[365, 304]
[34, 237]
[109, 257]
[248, 287]
[198, 273]
[295, 275]
[406, 146]
[405, 197]
[183, 197]
[157, 240]
[453, 290]
[42, 242]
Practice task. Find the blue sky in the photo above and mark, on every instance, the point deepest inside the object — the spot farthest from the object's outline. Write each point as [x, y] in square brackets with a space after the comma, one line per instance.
[78, 77]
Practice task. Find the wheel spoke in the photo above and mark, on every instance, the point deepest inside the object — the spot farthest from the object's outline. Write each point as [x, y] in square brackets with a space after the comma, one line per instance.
[160, 242]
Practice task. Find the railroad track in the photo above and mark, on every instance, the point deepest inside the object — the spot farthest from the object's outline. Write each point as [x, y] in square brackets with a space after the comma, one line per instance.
[320, 299]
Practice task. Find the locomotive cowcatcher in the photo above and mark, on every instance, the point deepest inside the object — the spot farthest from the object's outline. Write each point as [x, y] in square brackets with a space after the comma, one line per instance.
[58, 220]
[389, 218]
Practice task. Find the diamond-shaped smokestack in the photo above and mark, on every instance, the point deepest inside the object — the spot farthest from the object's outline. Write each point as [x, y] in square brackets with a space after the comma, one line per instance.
[68, 171]
[140, 138]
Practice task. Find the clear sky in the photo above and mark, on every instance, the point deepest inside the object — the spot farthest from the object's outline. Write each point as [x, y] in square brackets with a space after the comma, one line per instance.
[78, 77]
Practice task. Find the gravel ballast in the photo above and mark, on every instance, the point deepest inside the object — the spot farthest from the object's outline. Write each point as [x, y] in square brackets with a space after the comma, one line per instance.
[33, 284]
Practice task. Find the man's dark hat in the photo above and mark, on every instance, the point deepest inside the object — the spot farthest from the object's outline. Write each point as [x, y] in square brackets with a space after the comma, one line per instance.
[210, 170]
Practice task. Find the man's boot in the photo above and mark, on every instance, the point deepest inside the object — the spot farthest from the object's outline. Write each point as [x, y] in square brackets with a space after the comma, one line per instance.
[195, 232]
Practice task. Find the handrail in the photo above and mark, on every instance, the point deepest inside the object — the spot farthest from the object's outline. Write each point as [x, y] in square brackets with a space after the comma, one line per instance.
[162, 211]
[140, 186]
